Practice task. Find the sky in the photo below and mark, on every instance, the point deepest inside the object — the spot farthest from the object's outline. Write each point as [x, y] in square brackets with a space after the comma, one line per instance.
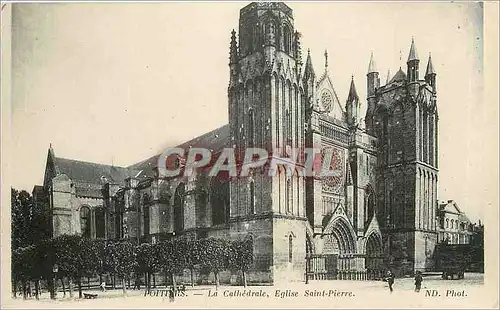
[116, 83]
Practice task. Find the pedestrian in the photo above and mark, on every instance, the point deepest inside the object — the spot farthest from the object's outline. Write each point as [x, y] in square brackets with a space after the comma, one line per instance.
[390, 279]
[28, 289]
[137, 283]
[171, 294]
[418, 281]
[103, 286]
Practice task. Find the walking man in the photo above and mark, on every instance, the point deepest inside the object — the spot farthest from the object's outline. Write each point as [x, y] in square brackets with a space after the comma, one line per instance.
[390, 279]
[418, 281]
[103, 286]
[171, 294]
[137, 283]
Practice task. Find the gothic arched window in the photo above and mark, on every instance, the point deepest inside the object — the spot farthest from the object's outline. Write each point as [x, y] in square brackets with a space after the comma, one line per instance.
[250, 41]
[100, 223]
[288, 129]
[179, 208]
[119, 207]
[85, 221]
[219, 200]
[447, 223]
[251, 129]
[288, 195]
[287, 40]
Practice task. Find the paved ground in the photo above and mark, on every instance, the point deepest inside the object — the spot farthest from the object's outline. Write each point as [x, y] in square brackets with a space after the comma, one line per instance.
[435, 293]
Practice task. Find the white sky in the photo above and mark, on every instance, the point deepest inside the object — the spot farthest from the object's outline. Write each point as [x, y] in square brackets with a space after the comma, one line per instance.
[117, 83]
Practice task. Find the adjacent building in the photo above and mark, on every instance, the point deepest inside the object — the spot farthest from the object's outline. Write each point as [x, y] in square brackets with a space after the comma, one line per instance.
[454, 226]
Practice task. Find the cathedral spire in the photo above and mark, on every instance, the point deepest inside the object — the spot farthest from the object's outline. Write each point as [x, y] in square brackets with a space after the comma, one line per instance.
[352, 105]
[353, 94]
[430, 67]
[413, 63]
[309, 70]
[372, 84]
[430, 74]
[413, 51]
[388, 76]
[372, 66]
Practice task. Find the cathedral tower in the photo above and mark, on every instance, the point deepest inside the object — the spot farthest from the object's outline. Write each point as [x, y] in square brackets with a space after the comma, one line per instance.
[403, 116]
[266, 111]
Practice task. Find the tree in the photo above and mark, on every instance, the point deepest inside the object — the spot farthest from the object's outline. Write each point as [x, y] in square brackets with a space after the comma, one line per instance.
[89, 261]
[16, 266]
[100, 248]
[216, 256]
[22, 266]
[29, 219]
[171, 258]
[146, 262]
[241, 256]
[65, 248]
[193, 257]
[76, 257]
[30, 227]
[45, 260]
[121, 259]
[19, 218]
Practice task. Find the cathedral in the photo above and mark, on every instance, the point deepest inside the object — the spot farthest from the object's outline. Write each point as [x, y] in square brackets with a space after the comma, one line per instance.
[381, 208]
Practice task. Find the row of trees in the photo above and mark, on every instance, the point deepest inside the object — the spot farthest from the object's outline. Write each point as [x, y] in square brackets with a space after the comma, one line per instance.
[30, 220]
[77, 257]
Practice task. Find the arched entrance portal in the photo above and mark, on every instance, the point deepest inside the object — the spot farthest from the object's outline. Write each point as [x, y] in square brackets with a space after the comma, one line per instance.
[339, 247]
[339, 237]
[374, 262]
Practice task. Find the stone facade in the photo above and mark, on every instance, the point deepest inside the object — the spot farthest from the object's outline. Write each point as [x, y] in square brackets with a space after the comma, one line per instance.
[454, 227]
[381, 207]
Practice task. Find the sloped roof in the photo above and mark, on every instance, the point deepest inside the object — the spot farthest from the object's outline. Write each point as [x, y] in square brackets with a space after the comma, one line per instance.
[463, 218]
[450, 207]
[92, 172]
[399, 76]
[213, 140]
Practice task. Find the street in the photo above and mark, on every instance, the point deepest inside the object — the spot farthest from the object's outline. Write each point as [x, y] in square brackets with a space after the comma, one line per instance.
[435, 293]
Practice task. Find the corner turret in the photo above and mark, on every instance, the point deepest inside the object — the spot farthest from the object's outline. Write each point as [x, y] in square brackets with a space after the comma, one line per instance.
[413, 63]
[352, 105]
[373, 82]
[430, 74]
